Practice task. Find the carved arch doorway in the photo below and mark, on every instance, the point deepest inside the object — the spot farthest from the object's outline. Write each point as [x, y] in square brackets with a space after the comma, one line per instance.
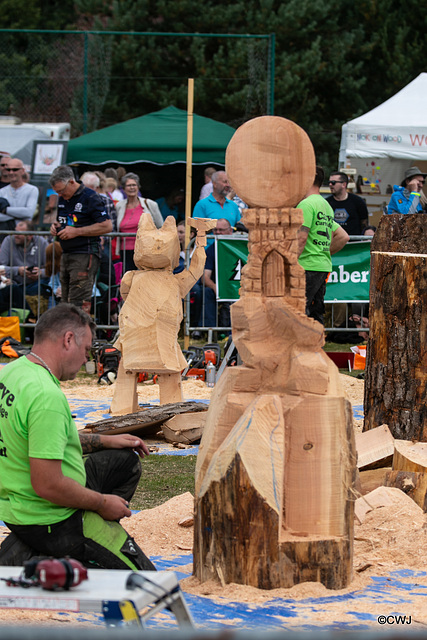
[275, 275]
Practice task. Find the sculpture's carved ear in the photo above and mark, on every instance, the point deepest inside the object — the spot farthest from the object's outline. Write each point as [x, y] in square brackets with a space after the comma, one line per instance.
[146, 223]
[169, 223]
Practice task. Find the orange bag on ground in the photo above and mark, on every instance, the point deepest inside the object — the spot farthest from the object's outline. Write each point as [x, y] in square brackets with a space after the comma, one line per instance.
[359, 356]
[9, 326]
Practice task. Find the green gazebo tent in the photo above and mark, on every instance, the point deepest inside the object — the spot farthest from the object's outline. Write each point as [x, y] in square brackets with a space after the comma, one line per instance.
[159, 138]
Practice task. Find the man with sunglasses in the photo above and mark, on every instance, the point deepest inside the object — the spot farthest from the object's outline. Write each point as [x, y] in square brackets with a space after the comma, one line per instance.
[350, 211]
[21, 196]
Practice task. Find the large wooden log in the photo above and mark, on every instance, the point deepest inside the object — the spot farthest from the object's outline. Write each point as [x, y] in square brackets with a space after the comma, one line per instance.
[396, 366]
[265, 523]
[146, 420]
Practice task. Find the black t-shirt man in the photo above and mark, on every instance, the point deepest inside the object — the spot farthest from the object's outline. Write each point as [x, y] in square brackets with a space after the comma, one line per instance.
[350, 211]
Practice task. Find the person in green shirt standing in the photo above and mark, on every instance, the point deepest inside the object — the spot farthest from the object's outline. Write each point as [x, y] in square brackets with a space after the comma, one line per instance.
[318, 238]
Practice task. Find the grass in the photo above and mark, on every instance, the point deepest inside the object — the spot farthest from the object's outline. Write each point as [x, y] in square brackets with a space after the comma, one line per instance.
[163, 477]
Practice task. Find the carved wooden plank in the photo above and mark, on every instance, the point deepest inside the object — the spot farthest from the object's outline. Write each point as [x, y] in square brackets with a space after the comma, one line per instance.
[146, 419]
[371, 479]
[380, 497]
[375, 448]
[184, 427]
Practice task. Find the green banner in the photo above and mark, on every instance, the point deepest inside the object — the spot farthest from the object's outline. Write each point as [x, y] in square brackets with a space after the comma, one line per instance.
[349, 278]
[231, 255]
[348, 282]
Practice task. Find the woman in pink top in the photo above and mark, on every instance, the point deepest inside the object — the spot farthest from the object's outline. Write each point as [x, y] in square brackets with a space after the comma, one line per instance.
[129, 212]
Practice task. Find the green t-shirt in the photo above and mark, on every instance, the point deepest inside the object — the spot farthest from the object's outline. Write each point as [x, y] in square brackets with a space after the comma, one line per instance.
[35, 422]
[319, 219]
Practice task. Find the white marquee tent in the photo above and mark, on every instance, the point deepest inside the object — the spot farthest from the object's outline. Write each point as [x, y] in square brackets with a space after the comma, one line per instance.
[384, 142]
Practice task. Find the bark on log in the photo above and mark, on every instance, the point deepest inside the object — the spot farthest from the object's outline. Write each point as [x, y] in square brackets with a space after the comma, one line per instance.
[396, 366]
[146, 420]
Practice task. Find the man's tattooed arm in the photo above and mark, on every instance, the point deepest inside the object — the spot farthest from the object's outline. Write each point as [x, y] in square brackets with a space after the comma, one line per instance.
[91, 442]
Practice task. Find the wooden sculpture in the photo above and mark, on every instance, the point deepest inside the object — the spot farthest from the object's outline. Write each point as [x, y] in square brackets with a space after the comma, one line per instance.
[276, 467]
[396, 365]
[151, 315]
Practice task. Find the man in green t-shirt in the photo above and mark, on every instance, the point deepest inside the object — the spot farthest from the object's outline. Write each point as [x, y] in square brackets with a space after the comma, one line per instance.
[53, 502]
[318, 238]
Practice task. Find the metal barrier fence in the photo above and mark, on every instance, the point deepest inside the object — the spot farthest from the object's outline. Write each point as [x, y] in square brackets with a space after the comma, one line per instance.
[106, 297]
[337, 316]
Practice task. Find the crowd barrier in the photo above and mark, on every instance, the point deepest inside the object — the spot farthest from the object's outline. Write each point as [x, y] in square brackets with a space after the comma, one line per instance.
[350, 269]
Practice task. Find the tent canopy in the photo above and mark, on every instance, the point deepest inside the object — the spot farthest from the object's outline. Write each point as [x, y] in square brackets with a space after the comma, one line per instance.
[159, 138]
[395, 129]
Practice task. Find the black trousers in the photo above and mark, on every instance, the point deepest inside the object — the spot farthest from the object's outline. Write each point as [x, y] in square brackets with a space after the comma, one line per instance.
[115, 471]
[315, 289]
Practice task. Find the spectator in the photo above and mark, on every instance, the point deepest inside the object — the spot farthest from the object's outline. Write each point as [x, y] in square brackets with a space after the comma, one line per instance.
[24, 258]
[318, 238]
[209, 318]
[121, 171]
[55, 503]
[109, 204]
[171, 205]
[350, 211]
[217, 205]
[112, 190]
[82, 219]
[4, 174]
[406, 198]
[22, 197]
[52, 268]
[235, 198]
[369, 231]
[206, 190]
[129, 212]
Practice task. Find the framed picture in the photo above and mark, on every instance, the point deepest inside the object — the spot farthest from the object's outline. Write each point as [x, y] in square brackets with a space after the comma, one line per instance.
[47, 155]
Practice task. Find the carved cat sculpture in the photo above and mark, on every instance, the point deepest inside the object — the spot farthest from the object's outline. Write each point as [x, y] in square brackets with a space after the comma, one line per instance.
[151, 315]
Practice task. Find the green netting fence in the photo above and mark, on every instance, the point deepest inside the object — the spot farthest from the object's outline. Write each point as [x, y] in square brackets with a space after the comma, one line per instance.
[93, 79]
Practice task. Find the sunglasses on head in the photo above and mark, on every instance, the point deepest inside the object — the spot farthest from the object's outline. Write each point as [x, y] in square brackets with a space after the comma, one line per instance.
[15, 169]
[335, 182]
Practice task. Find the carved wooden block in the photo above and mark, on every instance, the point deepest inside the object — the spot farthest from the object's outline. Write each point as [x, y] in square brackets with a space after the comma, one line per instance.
[277, 460]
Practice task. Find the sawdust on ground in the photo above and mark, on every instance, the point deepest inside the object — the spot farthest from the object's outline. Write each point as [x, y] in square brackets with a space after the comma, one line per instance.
[392, 538]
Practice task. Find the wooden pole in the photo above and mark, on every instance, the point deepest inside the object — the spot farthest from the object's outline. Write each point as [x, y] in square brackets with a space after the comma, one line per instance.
[188, 181]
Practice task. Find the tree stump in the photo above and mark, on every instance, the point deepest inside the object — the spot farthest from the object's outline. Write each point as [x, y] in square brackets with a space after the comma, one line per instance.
[277, 460]
[396, 365]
